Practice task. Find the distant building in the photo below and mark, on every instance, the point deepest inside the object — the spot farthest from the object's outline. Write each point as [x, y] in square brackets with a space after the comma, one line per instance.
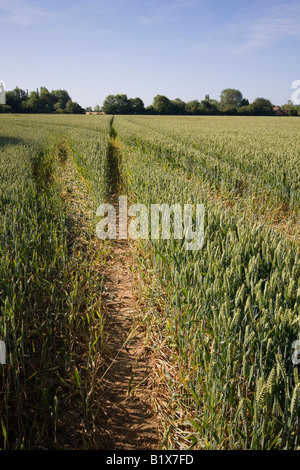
[94, 112]
[278, 111]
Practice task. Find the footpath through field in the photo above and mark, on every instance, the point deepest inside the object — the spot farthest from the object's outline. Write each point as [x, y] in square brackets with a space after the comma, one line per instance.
[130, 420]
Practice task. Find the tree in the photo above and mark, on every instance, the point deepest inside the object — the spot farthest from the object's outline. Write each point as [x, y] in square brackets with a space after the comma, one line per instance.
[115, 104]
[209, 107]
[229, 110]
[77, 108]
[231, 99]
[69, 107]
[15, 98]
[5, 109]
[244, 102]
[89, 109]
[58, 107]
[150, 110]
[97, 108]
[62, 96]
[33, 104]
[259, 107]
[59, 110]
[193, 107]
[262, 107]
[74, 108]
[47, 100]
[245, 110]
[136, 106]
[41, 101]
[162, 104]
[178, 106]
[290, 108]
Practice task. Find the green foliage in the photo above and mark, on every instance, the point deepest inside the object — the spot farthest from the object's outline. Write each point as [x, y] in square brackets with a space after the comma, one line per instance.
[136, 106]
[193, 107]
[121, 104]
[178, 106]
[231, 103]
[162, 105]
[73, 108]
[15, 98]
[231, 310]
[225, 316]
[41, 101]
[230, 99]
[4, 108]
[47, 292]
[262, 107]
[115, 104]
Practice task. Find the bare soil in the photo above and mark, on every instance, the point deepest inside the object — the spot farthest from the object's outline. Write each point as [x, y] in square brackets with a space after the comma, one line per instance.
[131, 423]
[124, 415]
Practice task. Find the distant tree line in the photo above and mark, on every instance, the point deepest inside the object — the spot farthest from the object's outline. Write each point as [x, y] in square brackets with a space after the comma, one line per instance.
[231, 102]
[40, 101]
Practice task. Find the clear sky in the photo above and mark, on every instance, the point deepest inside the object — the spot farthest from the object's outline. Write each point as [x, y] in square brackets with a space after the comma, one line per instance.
[179, 48]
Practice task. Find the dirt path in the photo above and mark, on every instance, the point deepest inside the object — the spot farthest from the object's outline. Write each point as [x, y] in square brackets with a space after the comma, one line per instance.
[130, 419]
[126, 393]
[124, 418]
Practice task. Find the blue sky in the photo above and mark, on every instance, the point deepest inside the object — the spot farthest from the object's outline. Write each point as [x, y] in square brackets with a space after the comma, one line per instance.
[179, 48]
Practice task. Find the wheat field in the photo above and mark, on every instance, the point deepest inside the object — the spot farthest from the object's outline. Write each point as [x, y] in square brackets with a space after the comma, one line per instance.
[222, 320]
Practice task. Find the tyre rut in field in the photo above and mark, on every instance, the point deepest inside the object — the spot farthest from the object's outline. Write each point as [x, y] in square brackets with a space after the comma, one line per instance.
[113, 157]
[130, 421]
